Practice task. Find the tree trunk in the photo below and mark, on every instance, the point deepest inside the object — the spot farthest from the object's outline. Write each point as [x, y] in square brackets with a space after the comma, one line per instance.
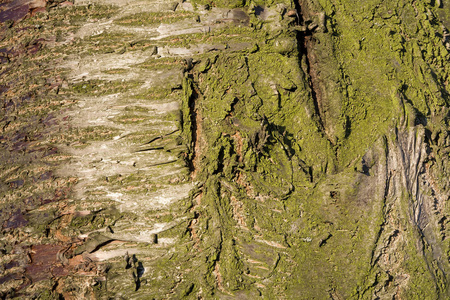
[224, 149]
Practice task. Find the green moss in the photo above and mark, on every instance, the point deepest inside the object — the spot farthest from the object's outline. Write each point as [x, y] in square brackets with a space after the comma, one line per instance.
[284, 153]
[157, 93]
[71, 15]
[116, 71]
[130, 118]
[222, 36]
[221, 3]
[154, 18]
[103, 87]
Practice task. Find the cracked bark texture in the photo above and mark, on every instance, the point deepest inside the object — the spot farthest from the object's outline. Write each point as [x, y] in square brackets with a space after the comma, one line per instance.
[224, 149]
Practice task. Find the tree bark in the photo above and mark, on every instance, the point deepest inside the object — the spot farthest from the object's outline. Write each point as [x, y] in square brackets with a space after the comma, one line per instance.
[224, 149]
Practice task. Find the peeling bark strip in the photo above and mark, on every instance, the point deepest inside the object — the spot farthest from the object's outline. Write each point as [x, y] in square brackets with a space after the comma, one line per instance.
[224, 150]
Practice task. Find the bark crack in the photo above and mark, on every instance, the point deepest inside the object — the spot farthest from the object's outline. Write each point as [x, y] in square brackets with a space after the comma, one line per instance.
[309, 65]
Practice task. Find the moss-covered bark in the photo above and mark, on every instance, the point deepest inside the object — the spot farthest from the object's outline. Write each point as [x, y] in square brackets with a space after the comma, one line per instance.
[226, 149]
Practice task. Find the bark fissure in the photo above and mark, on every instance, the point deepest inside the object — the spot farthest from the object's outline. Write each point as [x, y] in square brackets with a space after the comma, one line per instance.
[194, 124]
[306, 48]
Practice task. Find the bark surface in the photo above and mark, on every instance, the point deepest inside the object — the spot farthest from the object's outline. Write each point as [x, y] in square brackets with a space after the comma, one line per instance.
[225, 149]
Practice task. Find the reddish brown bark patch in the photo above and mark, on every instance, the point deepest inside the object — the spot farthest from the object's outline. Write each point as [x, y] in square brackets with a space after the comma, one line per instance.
[44, 262]
[18, 9]
[15, 221]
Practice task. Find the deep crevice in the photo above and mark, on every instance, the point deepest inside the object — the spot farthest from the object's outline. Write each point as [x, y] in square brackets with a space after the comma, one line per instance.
[305, 41]
[189, 119]
[195, 118]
